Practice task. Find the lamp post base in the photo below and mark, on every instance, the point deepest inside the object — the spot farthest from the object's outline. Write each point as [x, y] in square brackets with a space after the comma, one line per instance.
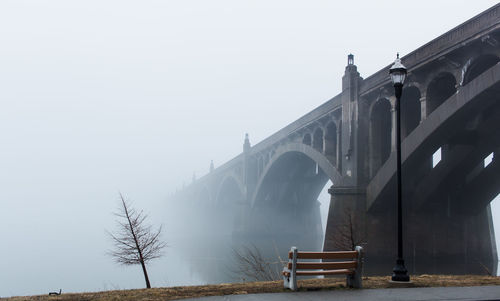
[399, 273]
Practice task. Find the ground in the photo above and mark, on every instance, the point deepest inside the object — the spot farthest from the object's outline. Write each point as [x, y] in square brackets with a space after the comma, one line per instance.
[182, 292]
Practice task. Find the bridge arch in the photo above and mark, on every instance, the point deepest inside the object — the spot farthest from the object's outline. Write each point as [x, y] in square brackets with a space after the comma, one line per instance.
[306, 139]
[318, 142]
[380, 133]
[331, 142]
[441, 87]
[230, 191]
[410, 110]
[302, 156]
[203, 195]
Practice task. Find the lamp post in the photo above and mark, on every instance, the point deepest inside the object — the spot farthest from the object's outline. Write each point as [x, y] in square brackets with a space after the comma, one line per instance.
[398, 76]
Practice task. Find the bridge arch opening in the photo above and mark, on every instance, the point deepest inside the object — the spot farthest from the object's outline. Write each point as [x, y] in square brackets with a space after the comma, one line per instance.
[215, 226]
[324, 199]
[410, 110]
[229, 197]
[381, 131]
[440, 89]
[307, 139]
[229, 192]
[292, 178]
[204, 197]
[286, 206]
[318, 140]
[331, 142]
[478, 66]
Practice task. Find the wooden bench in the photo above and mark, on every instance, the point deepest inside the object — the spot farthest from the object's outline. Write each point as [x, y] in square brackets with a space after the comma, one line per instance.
[347, 263]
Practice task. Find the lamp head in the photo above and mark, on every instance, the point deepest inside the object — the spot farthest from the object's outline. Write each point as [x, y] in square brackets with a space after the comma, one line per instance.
[398, 72]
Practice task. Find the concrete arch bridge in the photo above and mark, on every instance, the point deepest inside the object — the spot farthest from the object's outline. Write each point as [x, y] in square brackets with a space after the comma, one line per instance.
[450, 106]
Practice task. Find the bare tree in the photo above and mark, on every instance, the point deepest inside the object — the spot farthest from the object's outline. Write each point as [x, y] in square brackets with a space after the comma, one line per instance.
[135, 242]
[251, 264]
[348, 234]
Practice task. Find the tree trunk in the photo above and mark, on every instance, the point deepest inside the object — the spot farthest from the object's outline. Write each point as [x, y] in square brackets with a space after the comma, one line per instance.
[148, 285]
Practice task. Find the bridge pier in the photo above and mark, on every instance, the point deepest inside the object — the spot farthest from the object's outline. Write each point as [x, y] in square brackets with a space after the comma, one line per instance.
[437, 239]
[443, 241]
[346, 217]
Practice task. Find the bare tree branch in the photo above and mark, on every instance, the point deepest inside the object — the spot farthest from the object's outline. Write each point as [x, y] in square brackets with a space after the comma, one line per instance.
[251, 265]
[134, 241]
[347, 234]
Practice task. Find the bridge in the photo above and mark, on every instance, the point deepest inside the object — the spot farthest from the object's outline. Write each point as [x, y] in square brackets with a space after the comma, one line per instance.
[267, 195]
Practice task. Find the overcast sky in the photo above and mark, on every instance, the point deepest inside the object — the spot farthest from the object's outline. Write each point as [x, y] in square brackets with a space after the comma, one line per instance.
[104, 96]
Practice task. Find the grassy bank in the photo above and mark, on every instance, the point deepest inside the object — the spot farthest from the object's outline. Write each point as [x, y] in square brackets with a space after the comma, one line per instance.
[182, 292]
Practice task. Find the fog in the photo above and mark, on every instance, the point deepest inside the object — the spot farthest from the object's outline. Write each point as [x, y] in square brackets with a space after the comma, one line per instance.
[103, 97]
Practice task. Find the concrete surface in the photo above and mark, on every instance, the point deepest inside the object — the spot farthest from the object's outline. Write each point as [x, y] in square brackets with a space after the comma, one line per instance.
[402, 294]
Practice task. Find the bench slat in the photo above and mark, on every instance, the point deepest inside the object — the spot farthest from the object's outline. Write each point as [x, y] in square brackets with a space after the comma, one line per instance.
[325, 265]
[325, 272]
[325, 255]
[318, 273]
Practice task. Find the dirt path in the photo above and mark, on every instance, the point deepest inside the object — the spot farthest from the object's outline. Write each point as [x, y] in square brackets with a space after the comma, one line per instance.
[183, 292]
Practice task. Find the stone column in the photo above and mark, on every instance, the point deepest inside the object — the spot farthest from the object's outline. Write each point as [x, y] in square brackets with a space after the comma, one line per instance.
[339, 148]
[324, 141]
[423, 106]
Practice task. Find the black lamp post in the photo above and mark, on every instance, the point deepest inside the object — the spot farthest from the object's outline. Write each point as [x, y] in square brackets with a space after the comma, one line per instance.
[398, 76]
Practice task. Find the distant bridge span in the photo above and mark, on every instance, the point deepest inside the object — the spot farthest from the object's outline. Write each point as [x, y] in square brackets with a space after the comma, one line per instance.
[450, 103]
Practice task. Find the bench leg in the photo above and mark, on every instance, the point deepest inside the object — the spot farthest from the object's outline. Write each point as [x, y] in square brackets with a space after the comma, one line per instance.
[290, 282]
[355, 279]
[286, 280]
[293, 282]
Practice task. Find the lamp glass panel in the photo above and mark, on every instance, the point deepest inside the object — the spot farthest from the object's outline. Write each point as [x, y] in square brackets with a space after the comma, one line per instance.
[397, 77]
